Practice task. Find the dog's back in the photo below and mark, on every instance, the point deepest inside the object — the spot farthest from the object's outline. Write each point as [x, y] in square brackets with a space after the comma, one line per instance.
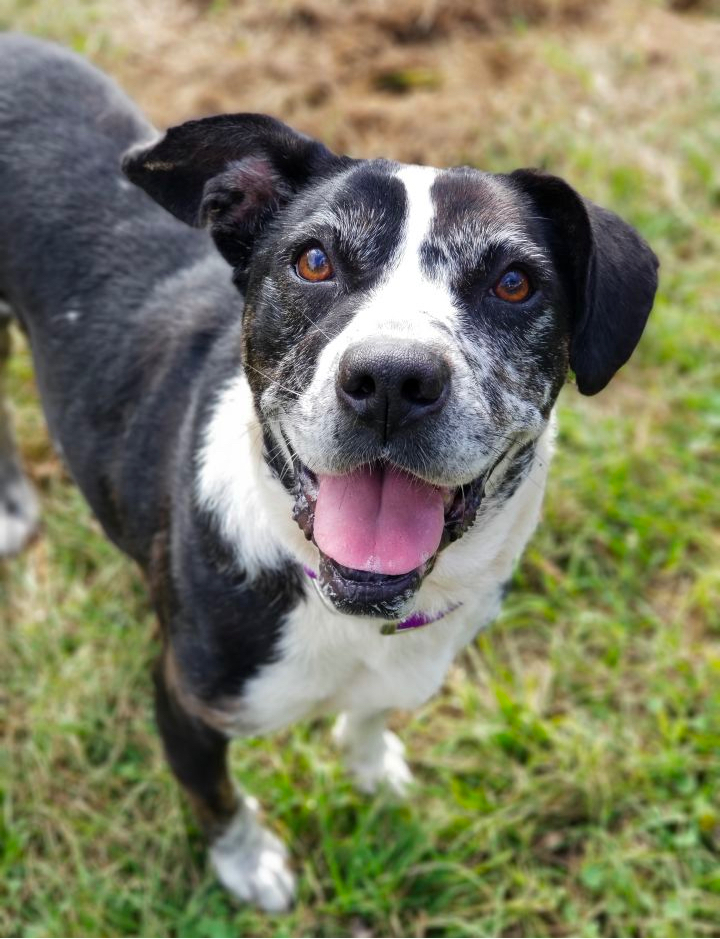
[91, 266]
[63, 129]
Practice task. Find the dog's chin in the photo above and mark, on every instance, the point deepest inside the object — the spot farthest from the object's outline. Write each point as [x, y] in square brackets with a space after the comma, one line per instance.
[370, 593]
[367, 593]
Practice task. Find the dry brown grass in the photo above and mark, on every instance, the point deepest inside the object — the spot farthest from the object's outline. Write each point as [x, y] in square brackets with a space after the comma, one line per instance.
[417, 81]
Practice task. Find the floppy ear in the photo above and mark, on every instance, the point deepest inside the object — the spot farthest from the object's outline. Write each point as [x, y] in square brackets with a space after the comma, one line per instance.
[231, 172]
[610, 274]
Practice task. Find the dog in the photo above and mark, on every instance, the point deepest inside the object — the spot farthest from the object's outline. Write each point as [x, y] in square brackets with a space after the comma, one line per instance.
[310, 395]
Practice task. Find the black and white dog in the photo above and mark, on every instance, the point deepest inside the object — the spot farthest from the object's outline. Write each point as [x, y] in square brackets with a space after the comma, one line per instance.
[311, 458]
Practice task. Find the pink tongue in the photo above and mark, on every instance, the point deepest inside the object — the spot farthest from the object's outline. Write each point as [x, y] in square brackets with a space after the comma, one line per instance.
[378, 520]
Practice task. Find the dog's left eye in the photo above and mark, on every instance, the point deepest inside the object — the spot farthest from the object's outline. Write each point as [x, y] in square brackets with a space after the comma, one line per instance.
[314, 265]
[513, 287]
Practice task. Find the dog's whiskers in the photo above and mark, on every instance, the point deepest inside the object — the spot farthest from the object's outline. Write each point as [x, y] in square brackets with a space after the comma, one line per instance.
[274, 381]
[315, 326]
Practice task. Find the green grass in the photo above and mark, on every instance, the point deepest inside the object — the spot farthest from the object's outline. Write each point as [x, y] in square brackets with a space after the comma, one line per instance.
[569, 772]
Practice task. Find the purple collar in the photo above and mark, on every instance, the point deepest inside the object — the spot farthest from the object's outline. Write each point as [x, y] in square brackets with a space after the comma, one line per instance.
[414, 621]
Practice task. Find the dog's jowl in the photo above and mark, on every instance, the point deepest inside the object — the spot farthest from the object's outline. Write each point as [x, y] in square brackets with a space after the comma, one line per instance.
[311, 396]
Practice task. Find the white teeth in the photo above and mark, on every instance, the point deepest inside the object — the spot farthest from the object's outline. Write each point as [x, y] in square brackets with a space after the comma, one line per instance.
[448, 497]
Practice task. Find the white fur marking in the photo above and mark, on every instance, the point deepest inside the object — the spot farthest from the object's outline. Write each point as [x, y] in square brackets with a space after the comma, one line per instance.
[235, 484]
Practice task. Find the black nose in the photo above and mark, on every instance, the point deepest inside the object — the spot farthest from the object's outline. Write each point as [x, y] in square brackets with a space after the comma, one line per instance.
[393, 383]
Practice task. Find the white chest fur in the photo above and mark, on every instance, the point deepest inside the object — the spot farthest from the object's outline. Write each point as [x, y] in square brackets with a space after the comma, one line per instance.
[330, 663]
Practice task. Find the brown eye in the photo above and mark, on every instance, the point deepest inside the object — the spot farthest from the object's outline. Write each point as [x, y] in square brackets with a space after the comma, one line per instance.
[314, 265]
[513, 286]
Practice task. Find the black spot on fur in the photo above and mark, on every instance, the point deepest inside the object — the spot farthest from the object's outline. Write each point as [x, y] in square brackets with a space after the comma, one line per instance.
[515, 474]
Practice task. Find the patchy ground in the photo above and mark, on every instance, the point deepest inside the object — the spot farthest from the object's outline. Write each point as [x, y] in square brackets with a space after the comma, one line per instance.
[569, 772]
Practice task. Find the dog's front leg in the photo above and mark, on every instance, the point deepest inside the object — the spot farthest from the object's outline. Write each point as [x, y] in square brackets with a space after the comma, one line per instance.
[250, 861]
[373, 755]
[18, 505]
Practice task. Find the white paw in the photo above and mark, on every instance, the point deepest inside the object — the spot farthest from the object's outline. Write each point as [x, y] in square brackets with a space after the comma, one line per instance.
[374, 763]
[18, 514]
[252, 863]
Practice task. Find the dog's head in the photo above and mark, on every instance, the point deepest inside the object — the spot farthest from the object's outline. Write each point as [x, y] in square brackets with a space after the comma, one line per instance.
[406, 329]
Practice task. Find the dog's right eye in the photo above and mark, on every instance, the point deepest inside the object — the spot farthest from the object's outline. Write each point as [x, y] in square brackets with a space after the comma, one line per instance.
[314, 265]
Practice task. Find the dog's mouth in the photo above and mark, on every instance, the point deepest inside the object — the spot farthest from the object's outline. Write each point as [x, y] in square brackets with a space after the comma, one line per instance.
[379, 531]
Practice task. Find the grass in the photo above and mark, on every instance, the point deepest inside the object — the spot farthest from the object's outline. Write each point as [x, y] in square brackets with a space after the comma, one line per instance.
[569, 772]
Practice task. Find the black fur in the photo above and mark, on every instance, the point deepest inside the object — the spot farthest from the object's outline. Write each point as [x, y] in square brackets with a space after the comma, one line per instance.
[231, 172]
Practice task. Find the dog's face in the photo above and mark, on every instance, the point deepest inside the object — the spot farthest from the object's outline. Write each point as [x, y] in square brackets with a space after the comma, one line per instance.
[406, 329]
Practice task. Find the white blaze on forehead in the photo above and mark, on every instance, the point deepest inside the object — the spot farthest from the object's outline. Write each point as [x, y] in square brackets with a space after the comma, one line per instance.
[418, 182]
[407, 300]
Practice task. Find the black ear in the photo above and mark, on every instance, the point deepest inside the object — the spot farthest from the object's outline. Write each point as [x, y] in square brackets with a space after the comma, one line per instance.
[231, 172]
[610, 274]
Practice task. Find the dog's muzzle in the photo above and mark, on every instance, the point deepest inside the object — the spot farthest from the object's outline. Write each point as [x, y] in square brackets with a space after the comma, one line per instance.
[380, 527]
